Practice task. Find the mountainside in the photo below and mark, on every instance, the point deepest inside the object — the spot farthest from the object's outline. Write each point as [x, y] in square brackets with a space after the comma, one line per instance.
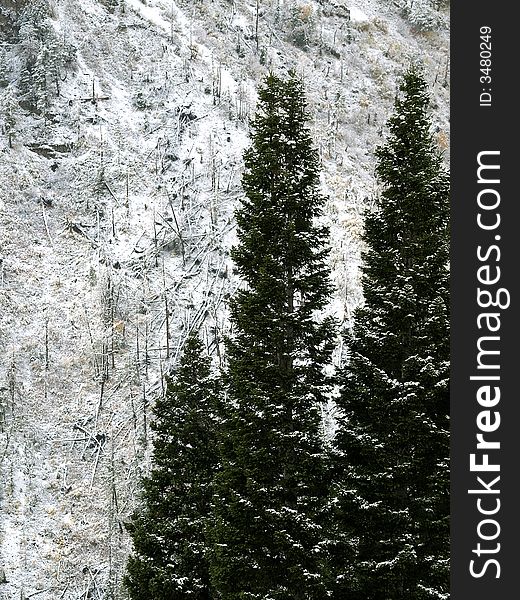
[123, 128]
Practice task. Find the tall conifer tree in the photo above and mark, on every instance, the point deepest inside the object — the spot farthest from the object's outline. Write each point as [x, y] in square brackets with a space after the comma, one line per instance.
[266, 534]
[392, 447]
[169, 560]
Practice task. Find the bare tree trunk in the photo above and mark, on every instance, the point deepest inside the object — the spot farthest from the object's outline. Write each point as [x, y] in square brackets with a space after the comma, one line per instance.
[46, 341]
[166, 316]
[145, 418]
[257, 17]
[137, 350]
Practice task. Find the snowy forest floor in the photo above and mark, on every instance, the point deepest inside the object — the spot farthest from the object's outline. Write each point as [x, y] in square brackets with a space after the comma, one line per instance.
[116, 220]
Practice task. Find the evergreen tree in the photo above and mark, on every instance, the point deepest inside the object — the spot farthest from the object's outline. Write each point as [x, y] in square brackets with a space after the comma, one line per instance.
[169, 560]
[4, 67]
[392, 447]
[266, 532]
[43, 57]
[9, 106]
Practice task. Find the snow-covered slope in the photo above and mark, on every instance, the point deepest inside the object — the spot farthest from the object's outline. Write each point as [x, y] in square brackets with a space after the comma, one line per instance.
[116, 219]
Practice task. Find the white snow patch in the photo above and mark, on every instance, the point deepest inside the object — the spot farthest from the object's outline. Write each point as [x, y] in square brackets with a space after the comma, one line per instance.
[357, 15]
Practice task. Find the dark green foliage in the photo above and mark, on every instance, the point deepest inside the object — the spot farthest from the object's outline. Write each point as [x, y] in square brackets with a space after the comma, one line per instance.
[44, 57]
[169, 560]
[392, 447]
[301, 24]
[8, 114]
[9, 11]
[267, 534]
[4, 68]
[111, 4]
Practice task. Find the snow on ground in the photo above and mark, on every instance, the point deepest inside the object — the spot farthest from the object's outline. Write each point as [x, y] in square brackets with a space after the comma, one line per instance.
[116, 244]
[357, 15]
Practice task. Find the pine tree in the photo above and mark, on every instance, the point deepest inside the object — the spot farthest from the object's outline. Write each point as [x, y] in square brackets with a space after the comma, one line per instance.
[269, 495]
[111, 4]
[39, 82]
[4, 67]
[9, 106]
[392, 447]
[43, 57]
[169, 560]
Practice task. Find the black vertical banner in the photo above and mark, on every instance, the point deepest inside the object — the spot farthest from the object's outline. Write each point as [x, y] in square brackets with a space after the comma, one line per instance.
[485, 402]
